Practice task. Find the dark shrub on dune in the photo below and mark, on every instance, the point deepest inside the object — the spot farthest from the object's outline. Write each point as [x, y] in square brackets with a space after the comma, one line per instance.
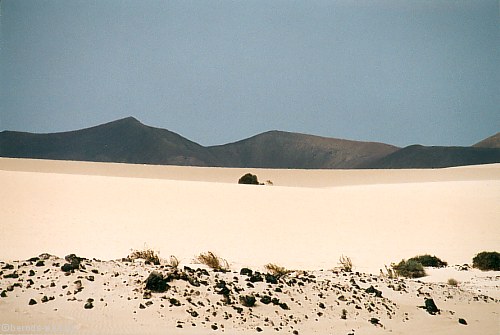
[250, 179]
[487, 260]
[409, 269]
[429, 261]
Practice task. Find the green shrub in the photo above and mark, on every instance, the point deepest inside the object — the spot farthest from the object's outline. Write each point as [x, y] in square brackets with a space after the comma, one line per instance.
[429, 261]
[249, 179]
[487, 260]
[409, 269]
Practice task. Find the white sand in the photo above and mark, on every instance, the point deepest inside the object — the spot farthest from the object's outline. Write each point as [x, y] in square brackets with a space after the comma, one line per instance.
[307, 220]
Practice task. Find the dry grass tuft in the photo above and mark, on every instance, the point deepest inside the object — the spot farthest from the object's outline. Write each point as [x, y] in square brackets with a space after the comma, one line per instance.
[276, 270]
[345, 263]
[173, 262]
[148, 254]
[213, 261]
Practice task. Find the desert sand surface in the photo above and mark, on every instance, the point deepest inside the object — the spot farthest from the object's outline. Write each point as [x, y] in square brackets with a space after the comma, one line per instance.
[304, 222]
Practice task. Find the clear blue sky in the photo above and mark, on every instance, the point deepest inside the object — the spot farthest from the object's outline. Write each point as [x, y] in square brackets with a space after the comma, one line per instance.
[400, 72]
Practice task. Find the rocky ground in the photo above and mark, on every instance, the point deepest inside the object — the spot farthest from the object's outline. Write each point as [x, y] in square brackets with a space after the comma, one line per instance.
[148, 298]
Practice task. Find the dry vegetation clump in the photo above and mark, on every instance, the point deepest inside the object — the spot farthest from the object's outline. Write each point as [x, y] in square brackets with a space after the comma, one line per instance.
[345, 263]
[409, 269]
[452, 282]
[429, 261]
[276, 270]
[148, 254]
[173, 262]
[213, 261]
[487, 260]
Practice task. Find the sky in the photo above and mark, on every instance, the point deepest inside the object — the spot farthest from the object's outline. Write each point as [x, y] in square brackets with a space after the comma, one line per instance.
[399, 72]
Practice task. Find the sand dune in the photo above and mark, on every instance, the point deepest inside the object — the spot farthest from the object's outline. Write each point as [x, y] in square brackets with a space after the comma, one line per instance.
[307, 220]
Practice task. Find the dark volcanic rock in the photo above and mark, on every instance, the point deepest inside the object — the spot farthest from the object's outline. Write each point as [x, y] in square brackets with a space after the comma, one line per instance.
[431, 307]
[40, 263]
[246, 272]
[11, 275]
[156, 282]
[266, 300]
[462, 321]
[372, 289]
[247, 300]
[32, 302]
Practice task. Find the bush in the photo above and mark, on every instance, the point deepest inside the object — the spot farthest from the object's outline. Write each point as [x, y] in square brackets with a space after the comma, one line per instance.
[487, 260]
[249, 179]
[276, 270]
[213, 261]
[149, 255]
[174, 262]
[429, 261]
[409, 269]
[345, 263]
[452, 282]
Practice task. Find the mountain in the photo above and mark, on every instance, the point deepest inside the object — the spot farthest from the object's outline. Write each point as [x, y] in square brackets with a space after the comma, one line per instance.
[278, 149]
[490, 142]
[129, 141]
[418, 157]
[122, 141]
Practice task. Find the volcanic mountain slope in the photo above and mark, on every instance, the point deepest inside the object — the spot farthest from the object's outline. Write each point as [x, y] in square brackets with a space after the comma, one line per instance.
[278, 149]
[123, 141]
[129, 141]
[490, 142]
[418, 157]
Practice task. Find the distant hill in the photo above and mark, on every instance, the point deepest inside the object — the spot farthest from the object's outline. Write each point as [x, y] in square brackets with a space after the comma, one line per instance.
[490, 142]
[129, 141]
[122, 141]
[278, 149]
[417, 157]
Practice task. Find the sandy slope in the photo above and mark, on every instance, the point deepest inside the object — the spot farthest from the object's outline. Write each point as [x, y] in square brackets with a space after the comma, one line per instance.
[305, 221]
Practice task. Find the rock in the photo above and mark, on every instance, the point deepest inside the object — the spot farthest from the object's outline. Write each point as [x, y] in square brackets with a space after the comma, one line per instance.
[270, 279]
[462, 321]
[3, 294]
[247, 300]
[40, 263]
[8, 267]
[32, 302]
[372, 289]
[148, 303]
[174, 302]
[11, 275]
[32, 273]
[246, 272]
[431, 307]
[266, 300]
[90, 278]
[156, 282]
[258, 329]
[256, 277]
[214, 327]
[374, 321]
[321, 305]
[44, 299]
[147, 294]
[141, 306]
[284, 306]
[88, 305]
[67, 267]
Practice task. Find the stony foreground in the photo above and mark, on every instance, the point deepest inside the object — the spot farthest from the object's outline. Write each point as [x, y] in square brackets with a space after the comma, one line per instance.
[91, 296]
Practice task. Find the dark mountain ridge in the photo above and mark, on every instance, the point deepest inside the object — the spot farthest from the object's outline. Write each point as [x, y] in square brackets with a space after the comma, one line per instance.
[129, 141]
